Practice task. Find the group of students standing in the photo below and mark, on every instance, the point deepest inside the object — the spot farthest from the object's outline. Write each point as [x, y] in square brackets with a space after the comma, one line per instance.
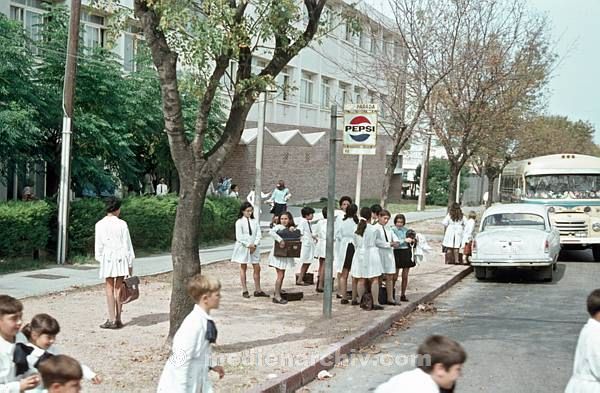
[366, 247]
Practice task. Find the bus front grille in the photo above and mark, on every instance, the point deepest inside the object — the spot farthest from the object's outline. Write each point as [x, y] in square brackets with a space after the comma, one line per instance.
[572, 228]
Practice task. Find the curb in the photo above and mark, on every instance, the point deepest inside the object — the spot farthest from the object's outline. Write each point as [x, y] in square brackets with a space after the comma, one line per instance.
[294, 380]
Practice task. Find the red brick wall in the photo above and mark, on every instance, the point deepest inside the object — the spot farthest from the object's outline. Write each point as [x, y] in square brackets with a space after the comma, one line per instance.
[304, 169]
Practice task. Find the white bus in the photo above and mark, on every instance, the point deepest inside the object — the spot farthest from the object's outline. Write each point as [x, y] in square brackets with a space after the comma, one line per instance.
[570, 185]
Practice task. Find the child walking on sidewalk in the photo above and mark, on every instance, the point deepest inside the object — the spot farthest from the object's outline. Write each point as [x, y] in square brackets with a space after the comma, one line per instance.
[245, 250]
[307, 251]
[321, 248]
[187, 368]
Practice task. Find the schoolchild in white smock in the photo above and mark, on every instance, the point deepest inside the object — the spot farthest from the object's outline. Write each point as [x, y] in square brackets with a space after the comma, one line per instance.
[321, 247]
[343, 247]
[307, 252]
[455, 226]
[40, 336]
[186, 370]
[439, 365]
[245, 250]
[286, 221]
[586, 367]
[366, 263]
[388, 262]
[114, 252]
[467, 240]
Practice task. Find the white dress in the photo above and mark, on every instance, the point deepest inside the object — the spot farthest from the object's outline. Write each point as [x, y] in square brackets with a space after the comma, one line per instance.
[454, 232]
[586, 367]
[388, 262]
[320, 229]
[307, 252]
[468, 231]
[279, 262]
[344, 235]
[243, 238]
[113, 249]
[367, 260]
[186, 370]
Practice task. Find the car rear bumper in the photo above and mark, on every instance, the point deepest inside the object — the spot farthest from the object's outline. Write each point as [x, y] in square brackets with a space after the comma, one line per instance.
[512, 262]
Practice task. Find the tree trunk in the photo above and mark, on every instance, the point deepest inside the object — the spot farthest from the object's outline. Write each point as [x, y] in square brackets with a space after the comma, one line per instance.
[453, 185]
[184, 247]
[391, 166]
[490, 189]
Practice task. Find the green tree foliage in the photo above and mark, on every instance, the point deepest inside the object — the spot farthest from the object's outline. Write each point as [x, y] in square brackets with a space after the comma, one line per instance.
[438, 181]
[556, 134]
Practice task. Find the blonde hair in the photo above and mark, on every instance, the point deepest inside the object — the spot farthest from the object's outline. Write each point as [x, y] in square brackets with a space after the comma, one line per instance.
[472, 215]
[200, 285]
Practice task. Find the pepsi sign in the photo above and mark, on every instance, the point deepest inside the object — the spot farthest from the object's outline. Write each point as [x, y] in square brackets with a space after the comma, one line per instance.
[360, 129]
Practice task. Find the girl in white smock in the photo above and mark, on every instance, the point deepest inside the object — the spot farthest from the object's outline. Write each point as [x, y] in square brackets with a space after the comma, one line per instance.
[245, 250]
[455, 226]
[388, 262]
[286, 221]
[345, 229]
[307, 252]
[114, 252]
[467, 239]
[366, 263]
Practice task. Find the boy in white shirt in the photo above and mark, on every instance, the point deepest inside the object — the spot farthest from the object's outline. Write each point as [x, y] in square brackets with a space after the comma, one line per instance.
[11, 314]
[187, 368]
[586, 367]
[61, 374]
[439, 365]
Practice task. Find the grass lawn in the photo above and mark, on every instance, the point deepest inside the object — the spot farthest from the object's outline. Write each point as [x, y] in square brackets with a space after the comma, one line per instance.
[394, 206]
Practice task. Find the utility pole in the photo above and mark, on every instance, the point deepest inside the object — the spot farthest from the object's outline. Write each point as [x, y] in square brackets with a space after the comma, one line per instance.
[359, 170]
[328, 290]
[260, 132]
[65, 167]
[423, 180]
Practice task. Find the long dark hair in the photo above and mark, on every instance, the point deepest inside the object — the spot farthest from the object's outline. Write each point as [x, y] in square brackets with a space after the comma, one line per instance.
[41, 324]
[351, 211]
[456, 213]
[290, 217]
[365, 212]
[243, 207]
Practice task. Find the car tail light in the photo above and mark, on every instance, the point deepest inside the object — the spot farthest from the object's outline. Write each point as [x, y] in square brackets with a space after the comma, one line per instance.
[474, 246]
[546, 246]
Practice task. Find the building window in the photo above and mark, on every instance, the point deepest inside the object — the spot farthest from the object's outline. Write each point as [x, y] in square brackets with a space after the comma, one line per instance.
[30, 14]
[349, 33]
[345, 94]
[325, 92]
[357, 96]
[374, 39]
[364, 39]
[258, 65]
[93, 30]
[286, 84]
[306, 88]
[131, 37]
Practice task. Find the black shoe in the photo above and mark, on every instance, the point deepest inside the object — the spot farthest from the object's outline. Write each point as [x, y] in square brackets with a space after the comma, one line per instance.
[392, 304]
[345, 301]
[403, 298]
[319, 290]
[279, 301]
[118, 324]
[377, 307]
[355, 303]
[338, 296]
[246, 294]
[260, 294]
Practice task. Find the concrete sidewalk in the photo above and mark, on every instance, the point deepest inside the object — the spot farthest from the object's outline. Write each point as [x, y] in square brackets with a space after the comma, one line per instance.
[61, 278]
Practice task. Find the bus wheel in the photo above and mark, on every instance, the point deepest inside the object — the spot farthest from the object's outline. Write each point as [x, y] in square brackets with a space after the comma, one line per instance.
[596, 252]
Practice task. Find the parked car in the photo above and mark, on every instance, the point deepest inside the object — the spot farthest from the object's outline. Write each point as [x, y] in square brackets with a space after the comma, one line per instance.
[516, 236]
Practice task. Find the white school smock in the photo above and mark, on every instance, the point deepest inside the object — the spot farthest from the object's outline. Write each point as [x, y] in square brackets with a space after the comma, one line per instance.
[35, 355]
[243, 239]
[586, 367]
[320, 229]
[307, 252]
[113, 249]
[468, 231]
[9, 383]
[454, 232]
[279, 262]
[344, 235]
[186, 370]
[388, 262]
[367, 260]
[413, 381]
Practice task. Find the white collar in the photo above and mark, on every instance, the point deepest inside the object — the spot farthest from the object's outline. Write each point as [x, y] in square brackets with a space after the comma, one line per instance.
[6, 347]
[200, 311]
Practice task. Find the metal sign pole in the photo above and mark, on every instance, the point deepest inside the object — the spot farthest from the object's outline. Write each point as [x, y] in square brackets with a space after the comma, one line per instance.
[328, 290]
[359, 170]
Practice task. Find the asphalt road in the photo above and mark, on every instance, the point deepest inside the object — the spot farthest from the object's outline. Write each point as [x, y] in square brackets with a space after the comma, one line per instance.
[519, 334]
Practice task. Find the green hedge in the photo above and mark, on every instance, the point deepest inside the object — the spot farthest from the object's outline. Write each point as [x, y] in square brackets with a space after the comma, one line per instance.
[24, 227]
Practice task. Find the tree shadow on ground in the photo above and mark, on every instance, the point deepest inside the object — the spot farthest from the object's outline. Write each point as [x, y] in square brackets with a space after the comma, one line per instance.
[149, 319]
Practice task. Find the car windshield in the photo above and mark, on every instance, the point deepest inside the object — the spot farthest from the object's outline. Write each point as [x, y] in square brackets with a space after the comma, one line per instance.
[521, 220]
[563, 187]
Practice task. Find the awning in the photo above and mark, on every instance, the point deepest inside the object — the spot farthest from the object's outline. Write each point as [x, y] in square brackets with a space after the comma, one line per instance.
[282, 138]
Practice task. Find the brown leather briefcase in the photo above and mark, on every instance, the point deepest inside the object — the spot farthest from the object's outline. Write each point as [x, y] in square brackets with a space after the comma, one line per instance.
[290, 249]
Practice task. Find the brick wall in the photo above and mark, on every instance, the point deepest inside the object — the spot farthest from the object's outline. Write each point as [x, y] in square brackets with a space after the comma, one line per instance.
[304, 169]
